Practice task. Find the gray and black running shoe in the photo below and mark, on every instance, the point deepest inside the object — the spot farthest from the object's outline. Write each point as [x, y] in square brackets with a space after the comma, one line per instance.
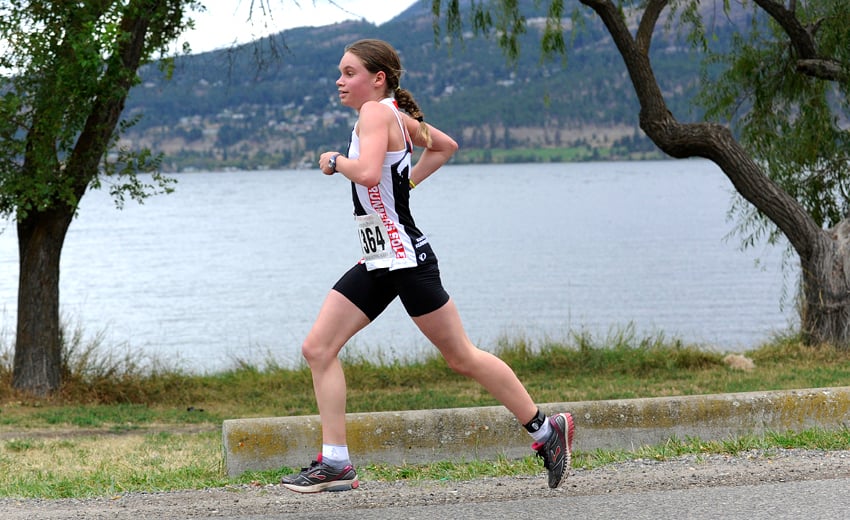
[321, 477]
[557, 450]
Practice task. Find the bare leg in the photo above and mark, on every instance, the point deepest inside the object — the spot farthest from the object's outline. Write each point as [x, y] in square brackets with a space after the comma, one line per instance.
[444, 329]
[338, 321]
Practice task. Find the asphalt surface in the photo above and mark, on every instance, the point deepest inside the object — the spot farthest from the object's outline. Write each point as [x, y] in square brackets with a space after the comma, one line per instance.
[820, 499]
[755, 485]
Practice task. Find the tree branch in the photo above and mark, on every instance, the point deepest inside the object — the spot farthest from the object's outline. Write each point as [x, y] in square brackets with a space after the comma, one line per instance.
[636, 59]
[113, 90]
[809, 60]
[706, 140]
[801, 38]
[647, 24]
[829, 70]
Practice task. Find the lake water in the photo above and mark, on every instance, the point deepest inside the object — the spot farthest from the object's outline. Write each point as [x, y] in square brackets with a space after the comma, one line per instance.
[234, 266]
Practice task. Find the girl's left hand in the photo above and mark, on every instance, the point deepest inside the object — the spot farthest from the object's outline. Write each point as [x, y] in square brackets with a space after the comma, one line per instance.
[324, 161]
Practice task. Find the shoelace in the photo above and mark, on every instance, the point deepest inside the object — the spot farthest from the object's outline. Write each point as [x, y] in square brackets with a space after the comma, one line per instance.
[542, 454]
[312, 465]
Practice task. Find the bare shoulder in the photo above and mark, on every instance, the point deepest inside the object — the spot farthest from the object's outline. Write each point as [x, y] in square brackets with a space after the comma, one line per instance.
[375, 109]
[374, 115]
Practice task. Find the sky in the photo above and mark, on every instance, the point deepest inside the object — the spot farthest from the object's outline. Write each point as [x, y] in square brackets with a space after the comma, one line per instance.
[226, 22]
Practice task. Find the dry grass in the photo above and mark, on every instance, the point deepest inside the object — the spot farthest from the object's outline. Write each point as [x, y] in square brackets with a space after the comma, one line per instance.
[56, 467]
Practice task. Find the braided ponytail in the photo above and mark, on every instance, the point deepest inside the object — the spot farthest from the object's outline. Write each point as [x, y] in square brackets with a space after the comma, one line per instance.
[406, 102]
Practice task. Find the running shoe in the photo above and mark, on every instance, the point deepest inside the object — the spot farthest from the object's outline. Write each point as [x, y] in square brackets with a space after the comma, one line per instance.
[321, 477]
[557, 450]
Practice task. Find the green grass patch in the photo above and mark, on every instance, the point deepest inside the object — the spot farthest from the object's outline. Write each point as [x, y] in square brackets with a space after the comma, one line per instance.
[88, 466]
[580, 368]
[515, 155]
[103, 432]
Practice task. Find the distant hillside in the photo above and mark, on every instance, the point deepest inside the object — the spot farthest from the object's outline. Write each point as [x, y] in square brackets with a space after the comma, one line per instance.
[249, 108]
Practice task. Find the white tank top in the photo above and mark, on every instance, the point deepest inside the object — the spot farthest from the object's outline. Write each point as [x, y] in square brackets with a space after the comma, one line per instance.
[386, 231]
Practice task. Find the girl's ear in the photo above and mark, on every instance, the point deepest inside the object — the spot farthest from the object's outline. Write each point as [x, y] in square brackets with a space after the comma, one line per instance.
[380, 78]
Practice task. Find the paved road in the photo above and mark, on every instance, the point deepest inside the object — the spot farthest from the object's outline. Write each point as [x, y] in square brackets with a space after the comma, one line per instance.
[755, 485]
[810, 500]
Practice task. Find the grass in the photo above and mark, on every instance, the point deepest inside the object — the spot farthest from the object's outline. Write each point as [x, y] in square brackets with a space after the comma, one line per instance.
[81, 466]
[124, 423]
[551, 155]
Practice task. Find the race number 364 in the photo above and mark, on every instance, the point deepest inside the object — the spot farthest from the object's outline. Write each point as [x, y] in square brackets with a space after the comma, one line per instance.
[373, 236]
[372, 239]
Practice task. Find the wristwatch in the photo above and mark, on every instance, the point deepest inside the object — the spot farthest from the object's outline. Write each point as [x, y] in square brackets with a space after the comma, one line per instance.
[332, 162]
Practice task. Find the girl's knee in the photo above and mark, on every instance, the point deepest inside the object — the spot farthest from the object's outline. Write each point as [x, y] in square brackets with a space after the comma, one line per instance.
[462, 363]
[315, 353]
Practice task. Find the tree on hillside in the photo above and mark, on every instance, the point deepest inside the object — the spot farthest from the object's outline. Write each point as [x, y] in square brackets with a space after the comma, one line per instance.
[65, 71]
[786, 94]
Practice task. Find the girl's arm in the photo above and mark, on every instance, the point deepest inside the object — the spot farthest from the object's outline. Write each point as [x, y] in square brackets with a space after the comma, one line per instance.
[433, 157]
[373, 132]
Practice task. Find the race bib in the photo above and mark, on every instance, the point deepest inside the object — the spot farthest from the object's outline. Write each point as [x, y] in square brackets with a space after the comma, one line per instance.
[373, 237]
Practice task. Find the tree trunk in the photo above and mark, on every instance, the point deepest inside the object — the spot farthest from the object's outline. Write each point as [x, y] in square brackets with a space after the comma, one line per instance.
[38, 349]
[825, 290]
[41, 234]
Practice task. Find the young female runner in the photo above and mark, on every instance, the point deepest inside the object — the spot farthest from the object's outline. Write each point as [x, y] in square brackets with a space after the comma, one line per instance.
[398, 262]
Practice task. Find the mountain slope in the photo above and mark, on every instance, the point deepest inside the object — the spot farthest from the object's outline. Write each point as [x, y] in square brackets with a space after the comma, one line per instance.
[250, 108]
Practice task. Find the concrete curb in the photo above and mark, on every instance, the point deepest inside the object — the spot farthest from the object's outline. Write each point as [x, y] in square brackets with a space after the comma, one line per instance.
[487, 432]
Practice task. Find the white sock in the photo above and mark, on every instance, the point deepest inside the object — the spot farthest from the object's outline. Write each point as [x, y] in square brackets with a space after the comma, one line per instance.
[543, 433]
[335, 455]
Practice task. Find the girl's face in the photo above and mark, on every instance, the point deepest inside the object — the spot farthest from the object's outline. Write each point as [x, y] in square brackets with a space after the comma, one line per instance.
[356, 85]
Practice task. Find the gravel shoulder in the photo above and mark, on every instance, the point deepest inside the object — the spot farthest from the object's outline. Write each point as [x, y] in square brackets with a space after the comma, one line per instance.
[754, 467]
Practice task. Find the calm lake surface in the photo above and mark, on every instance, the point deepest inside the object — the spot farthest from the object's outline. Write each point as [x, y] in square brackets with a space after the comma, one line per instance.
[234, 266]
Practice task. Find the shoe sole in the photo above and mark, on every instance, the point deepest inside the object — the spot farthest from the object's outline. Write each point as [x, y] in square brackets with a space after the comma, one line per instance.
[337, 485]
[568, 456]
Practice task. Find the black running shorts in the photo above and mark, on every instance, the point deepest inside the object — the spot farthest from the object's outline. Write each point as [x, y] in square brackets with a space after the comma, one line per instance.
[419, 289]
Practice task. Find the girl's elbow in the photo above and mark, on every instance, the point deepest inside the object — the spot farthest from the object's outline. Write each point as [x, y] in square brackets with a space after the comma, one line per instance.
[447, 146]
[448, 149]
[452, 146]
[369, 179]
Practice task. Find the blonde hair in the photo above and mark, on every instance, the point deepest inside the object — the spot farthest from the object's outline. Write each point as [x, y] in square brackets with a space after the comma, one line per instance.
[380, 56]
